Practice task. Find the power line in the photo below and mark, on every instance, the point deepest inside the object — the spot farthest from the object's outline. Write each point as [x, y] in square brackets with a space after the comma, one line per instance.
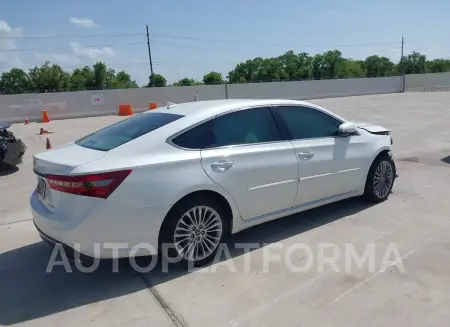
[182, 46]
[68, 36]
[131, 65]
[71, 47]
[190, 46]
[247, 42]
[182, 37]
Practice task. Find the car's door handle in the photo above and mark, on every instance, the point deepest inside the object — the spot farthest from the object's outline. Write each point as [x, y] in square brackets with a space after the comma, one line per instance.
[305, 155]
[222, 165]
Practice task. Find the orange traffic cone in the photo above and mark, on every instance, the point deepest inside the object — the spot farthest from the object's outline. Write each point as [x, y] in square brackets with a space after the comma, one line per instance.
[48, 145]
[125, 110]
[26, 120]
[44, 131]
[152, 106]
[45, 116]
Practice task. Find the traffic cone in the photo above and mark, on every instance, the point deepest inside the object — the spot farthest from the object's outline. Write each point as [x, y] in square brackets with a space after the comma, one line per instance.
[48, 145]
[45, 116]
[26, 120]
[44, 131]
[125, 110]
[152, 106]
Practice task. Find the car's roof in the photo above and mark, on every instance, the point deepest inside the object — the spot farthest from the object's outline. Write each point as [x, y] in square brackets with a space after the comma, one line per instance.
[202, 109]
[198, 111]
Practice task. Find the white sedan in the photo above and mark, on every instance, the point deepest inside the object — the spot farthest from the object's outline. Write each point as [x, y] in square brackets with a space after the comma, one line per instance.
[183, 177]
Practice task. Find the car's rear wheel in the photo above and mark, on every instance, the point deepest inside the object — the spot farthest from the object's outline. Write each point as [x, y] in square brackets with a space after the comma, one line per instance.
[380, 179]
[193, 231]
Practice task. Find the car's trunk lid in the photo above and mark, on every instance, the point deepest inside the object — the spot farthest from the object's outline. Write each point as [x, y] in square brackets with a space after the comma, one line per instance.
[59, 161]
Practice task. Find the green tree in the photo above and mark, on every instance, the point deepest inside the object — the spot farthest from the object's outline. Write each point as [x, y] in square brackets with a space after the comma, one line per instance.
[414, 63]
[438, 66]
[121, 80]
[317, 67]
[286, 67]
[213, 78]
[15, 81]
[158, 80]
[377, 66]
[111, 81]
[100, 75]
[303, 67]
[65, 82]
[125, 81]
[89, 76]
[48, 78]
[352, 68]
[290, 63]
[247, 71]
[185, 82]
[271, 70]
[327, 65]
[77, 80]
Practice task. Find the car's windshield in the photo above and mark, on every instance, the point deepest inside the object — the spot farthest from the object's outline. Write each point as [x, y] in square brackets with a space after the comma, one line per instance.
[126, 130]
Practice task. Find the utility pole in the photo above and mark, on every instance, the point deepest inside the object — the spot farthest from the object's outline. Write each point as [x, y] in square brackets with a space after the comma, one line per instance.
[401, 65]
[150, 57]
[403, 44]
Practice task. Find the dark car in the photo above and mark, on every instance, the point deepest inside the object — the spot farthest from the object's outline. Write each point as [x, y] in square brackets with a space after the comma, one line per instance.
[12, 149]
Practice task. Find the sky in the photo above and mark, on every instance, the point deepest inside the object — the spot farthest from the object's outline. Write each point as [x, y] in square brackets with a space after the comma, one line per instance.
[192, 38]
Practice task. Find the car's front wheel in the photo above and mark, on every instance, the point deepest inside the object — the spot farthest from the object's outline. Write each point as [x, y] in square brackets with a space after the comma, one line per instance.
[193, 232]
[380, 179]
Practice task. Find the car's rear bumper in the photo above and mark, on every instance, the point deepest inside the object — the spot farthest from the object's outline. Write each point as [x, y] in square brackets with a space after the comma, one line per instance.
[69, 252]
[108, 232]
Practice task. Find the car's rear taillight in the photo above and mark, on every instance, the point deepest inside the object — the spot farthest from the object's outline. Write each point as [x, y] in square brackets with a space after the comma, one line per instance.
[99, 185]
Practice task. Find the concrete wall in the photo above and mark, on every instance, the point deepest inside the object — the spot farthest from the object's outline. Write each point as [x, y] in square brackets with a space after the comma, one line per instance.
[14, 108]
[427, 82]
[316, 89]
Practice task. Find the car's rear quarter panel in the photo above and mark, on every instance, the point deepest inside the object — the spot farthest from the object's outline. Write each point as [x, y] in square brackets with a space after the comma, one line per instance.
[161, 176]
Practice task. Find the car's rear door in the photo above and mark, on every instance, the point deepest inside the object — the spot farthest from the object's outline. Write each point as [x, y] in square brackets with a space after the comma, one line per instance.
[329, 165]
[249, 159]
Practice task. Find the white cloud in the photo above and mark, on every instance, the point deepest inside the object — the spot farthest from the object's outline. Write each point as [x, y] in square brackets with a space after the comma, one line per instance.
[64, 60]
[92, 52]
[82, 22]
[8, 35]
[8, 62]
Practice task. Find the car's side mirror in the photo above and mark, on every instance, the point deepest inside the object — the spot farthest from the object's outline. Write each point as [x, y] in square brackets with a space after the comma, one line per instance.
[347, 128]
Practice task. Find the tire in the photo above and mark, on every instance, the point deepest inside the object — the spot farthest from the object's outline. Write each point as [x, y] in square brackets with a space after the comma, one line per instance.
[380, 179]
[214, 229]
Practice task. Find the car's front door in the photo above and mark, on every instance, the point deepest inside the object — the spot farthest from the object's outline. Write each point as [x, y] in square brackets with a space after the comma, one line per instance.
[329, 165]
[250, 160]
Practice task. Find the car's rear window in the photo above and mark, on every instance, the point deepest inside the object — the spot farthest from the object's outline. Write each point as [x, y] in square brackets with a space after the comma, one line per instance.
[126, 130]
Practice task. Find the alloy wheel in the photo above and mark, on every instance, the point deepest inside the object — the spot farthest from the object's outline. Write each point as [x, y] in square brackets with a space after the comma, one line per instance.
[198, 233]
[383, 179]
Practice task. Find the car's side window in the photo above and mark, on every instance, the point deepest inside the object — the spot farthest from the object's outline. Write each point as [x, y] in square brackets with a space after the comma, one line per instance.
[197, 137]
[241, 127]
[247, 126]
[306, 123]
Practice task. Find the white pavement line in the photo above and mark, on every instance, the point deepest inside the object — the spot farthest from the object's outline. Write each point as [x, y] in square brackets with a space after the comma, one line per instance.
[350, 290]
[267, 305]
